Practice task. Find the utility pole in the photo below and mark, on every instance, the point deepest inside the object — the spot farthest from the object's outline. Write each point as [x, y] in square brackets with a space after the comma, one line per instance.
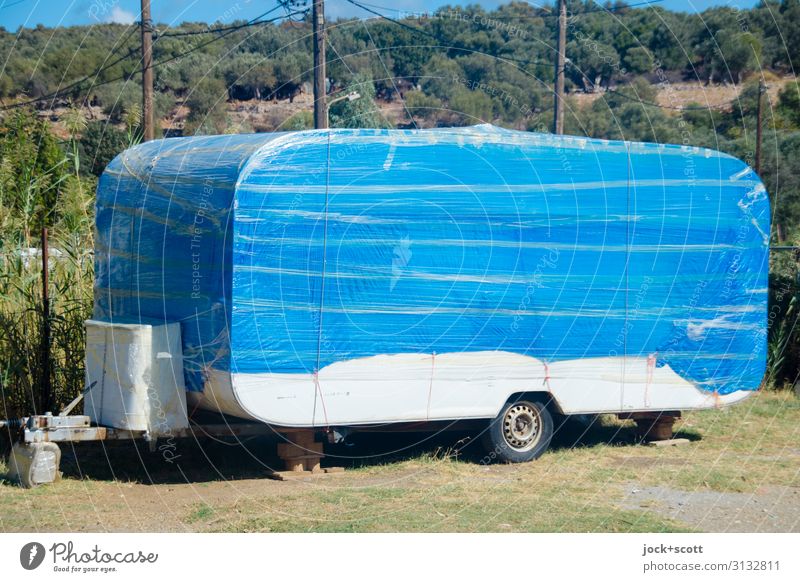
[318, 20]
[761, 90]
[558, 97]
[147, 72]
[47, 389]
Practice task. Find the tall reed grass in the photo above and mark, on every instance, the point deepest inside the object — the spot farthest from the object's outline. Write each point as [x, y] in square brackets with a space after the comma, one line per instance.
[21, 324]
[41, 185]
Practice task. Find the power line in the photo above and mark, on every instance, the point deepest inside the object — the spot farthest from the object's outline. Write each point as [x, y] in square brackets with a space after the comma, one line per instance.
[131, 52]
[131, 29]
[623, 95]
[445, 43]
[550, 13]
[385, 8]
[225, 31]
[289, 4]
[74, 84]
[220, 37]
[253, 22]
[95, 74]
[397, 22]
[597, 8]
[613, 9]
[11, 4]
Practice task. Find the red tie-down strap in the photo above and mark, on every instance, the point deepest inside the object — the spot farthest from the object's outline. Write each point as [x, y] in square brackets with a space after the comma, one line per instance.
[651, 366]
[546, 381]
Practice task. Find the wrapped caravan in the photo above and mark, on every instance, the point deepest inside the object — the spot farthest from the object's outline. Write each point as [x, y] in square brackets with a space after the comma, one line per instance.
[353, 277]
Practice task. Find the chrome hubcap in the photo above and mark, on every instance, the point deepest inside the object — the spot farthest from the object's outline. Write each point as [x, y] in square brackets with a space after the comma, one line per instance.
[521, 427]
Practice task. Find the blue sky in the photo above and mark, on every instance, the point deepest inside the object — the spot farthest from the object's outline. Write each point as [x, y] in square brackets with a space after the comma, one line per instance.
[29, 13]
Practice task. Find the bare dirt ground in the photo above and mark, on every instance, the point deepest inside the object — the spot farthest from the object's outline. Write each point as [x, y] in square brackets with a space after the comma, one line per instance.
[714, 95]
[683, 94]
[740, 472]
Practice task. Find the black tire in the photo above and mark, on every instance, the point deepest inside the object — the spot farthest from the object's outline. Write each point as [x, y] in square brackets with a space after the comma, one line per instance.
[520, 433]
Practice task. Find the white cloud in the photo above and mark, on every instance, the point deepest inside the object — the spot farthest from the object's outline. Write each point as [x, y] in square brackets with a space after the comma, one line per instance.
[121, 16]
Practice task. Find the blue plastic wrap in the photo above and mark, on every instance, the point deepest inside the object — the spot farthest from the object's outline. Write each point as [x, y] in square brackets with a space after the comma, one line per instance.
[285, 253]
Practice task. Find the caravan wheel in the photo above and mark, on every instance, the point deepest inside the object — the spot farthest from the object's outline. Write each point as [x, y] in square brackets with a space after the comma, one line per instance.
[521, 432]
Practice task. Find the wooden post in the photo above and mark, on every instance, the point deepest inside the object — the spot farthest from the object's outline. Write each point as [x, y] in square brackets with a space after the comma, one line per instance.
[46, 365]
[301, 452]
[318, 23]
[558, 96]
[761, 90]
[147, 72]
[655, 426]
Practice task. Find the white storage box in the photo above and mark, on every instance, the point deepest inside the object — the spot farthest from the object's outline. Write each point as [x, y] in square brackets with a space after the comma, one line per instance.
[135, 377]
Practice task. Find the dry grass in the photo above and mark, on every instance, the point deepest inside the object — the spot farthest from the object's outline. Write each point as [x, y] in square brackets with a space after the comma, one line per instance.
[685, 94]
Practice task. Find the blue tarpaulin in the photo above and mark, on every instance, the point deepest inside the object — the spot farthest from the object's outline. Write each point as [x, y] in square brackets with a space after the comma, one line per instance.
[288, 252]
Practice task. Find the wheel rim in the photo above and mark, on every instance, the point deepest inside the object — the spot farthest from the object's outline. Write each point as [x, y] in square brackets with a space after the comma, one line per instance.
[522, 427]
